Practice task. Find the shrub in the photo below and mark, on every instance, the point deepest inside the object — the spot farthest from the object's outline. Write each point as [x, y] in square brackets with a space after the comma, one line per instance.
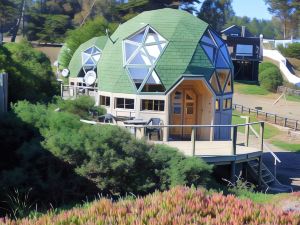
[265, 65]
[173, 168]
[82, 160]
[270, 78]
[292, 50]
[180, 205]
[83, 106]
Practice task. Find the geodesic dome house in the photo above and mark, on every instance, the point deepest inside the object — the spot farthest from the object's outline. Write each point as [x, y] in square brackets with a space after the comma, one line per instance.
[85, 60]
[170, 65]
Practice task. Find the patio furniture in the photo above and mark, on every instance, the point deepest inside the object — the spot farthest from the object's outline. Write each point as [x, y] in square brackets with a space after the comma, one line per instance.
[107, 118]
[151, 130]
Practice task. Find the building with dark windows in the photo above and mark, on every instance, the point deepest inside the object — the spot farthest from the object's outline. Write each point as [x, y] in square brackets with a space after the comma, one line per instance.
[245, 51]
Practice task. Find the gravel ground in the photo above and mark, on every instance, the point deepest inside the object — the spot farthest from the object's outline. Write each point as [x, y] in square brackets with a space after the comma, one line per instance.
[289, 108]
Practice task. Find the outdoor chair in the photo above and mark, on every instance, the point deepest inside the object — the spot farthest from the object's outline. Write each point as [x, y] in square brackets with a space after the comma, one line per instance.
[107, 118]
[151, 130]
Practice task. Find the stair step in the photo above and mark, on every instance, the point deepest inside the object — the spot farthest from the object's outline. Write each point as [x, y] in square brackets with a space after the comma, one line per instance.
[266, 175]
[268, 181]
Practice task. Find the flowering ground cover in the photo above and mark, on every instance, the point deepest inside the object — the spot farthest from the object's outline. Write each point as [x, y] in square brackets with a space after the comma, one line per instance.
[180, 205]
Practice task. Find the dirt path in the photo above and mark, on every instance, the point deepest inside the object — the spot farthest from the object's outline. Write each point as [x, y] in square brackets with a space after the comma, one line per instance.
[289, 109]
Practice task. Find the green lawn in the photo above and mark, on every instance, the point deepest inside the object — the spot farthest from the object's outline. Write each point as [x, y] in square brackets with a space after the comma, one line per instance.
[270, 131]
[249, 89]
[286, 146]
[293, 98]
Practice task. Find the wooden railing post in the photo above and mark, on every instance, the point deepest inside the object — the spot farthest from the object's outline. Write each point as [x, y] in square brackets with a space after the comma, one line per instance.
[275, 119]
[261, 135]
[165, 134]
[193, 139]
[247, 131]
[233, 139]
[284, 123]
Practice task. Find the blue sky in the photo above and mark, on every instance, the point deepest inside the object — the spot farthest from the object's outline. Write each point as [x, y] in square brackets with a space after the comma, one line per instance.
[251, 8]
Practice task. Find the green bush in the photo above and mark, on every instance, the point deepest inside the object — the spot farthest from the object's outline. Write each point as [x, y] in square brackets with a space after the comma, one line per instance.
[83, 106]
[173, 168]
[270, 79]
[81, 160]
[292, 50]
[265, 65]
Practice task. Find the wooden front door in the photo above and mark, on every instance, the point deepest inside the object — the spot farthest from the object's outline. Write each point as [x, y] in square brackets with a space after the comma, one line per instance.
[184, 111]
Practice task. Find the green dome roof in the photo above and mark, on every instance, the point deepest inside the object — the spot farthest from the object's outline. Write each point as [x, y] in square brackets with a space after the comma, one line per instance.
[76, 63]
[182, 32]
[179, 36]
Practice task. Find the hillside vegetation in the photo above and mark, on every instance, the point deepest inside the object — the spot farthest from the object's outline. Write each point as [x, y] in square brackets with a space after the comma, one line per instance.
[180, 205]
[44, 150]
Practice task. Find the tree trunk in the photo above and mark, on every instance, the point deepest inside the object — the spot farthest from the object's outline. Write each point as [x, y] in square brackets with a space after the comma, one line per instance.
[21, 17]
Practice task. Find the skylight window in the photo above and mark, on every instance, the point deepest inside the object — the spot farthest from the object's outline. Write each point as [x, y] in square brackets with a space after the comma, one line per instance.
[89, 58]
[141, 52]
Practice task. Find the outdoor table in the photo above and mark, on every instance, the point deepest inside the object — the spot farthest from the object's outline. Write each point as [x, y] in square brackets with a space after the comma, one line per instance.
[139, 132]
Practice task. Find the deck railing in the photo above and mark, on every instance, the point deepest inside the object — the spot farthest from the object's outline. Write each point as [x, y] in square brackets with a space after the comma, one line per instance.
[140, 132]
[269, 117]
[71, 91]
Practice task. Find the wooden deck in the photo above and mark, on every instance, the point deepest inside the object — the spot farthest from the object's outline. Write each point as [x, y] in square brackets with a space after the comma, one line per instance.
[217, 152]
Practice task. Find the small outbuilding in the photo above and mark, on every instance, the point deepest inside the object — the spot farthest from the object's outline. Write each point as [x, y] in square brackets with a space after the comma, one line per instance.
[165, 64]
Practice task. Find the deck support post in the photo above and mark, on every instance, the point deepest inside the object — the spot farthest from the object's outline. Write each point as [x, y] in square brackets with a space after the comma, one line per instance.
[193, 139]
[234, 138]
[259, 172]
[233, 172]
[261, 134]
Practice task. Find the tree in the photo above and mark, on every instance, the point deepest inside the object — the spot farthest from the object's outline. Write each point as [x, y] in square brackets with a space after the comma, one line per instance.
[7, 16]
[284, 10]
[75, 38]
[134, 7]
[30, 73]
[216, 12]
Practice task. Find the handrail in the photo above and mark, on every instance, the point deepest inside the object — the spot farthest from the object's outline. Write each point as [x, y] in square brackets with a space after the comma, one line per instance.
[272, 153]
[82, 87]
[192, 126]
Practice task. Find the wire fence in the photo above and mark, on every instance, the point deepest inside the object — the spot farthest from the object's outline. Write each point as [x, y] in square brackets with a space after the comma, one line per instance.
[269, 117]
[282, 89]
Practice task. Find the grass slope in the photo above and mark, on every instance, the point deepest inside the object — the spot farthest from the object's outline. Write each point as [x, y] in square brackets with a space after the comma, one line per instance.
[286, 146]
[270, 131]
[250, 89]
[180, 205]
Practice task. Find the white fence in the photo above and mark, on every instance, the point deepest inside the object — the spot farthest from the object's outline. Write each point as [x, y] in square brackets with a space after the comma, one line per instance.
[285, 43]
